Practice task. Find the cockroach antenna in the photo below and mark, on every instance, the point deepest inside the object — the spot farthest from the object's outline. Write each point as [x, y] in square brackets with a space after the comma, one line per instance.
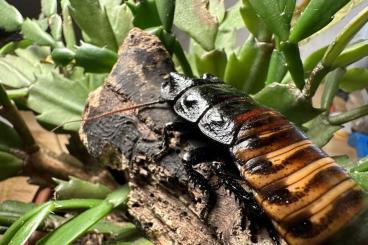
[160, 101]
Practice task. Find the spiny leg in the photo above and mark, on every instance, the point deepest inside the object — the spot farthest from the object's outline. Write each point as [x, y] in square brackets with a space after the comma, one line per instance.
[194, 157]
[249, 206]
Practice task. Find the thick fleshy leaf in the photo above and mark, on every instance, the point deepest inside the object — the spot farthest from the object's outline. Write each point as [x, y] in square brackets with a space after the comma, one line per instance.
[316, 16]
[354, 79]
[361, 165]
[56, 26]
[344, 37]
[32, 31]
[254, 23]
[288, 100]
[9, 137]
[91, 17]
[94, 59]
[166, 10]
[145, 14]
[227, 30]
[62, 56]
[217, 8]
[248, 70]
[121, 20]
[361, 178]
[194, 18]
[10, 18]
[58, 100]
[352, 53]
[76, 188]
[68, 29]
[71, 230]
[274, 15]
[10, 165]
[48, 7]
[213, 62]
[13, 75]
[320, 131]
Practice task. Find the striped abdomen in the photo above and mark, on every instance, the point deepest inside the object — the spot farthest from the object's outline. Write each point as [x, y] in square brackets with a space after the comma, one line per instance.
[307, 195]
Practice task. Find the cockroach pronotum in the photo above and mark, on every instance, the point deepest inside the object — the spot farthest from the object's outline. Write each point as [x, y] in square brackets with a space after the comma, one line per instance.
[308, 197]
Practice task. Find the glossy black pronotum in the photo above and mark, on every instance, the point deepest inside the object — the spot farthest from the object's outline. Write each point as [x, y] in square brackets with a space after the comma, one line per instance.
[308, 197]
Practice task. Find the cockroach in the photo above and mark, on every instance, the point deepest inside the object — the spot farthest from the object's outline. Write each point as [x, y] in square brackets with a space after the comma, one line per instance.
[308, 197]
[296, 188]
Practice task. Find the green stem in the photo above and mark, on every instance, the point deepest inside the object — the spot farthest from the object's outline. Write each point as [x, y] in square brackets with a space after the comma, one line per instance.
[331, 86]
[16, 93]
[68, 29]
[255, 79]
[180, 55]
[294, 63]
[315, 78]
[352, 54]
[344, 38]
[10, 112]
[348, 116]
[277, 68]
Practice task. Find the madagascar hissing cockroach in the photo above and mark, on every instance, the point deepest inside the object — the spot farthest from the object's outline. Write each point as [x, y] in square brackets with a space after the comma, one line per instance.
[308, 197]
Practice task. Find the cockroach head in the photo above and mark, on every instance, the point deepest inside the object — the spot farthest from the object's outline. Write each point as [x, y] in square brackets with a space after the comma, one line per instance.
[171, 88]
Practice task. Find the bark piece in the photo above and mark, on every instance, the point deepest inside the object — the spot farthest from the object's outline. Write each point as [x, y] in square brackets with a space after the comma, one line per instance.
[161, 201]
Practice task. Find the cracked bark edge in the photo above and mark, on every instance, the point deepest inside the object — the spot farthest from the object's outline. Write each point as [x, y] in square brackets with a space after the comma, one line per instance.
[161, 201]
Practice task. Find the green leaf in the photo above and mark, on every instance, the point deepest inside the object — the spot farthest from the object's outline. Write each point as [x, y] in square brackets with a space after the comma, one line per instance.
[32, 31]
[217, 8]
[92, 19]
[58, 99]
[320, 131]
[294, 63]
[344, 161]
[68, 29]
[12, 75]
[70, 231]
[121, 20]
[22, 235]
[316, 16]
[361, 165]
[94, 59]
[48, 7]
[9, 137]
[352, 54]
[62, 56]
[194, 18]
[254, 23]
[10, 18]
[213, 62]
[76, 188]
[166, 10]
[344, 37]
[145, 13]
[10, 165]
[248, 71]
[288, 100]
[272, 13]
[277, 68]
[12, 46]
[331, 85]
[227, 30]
[354, 79]
[56, 26]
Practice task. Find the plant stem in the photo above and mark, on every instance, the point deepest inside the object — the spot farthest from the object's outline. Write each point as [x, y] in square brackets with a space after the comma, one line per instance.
[294, 63]
[180, 55]
[331, 86]
[316, 76]
[340, 42]
[16, 93]
[348, 116]
[10, 112]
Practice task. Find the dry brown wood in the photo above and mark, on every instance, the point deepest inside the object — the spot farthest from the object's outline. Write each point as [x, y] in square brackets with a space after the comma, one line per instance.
[161, 200]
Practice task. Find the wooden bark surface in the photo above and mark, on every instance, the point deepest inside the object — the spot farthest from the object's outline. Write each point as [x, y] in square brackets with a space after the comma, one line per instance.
[161, 202]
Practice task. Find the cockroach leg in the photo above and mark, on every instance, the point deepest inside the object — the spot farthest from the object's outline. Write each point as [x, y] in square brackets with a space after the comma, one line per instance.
[249, 206]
